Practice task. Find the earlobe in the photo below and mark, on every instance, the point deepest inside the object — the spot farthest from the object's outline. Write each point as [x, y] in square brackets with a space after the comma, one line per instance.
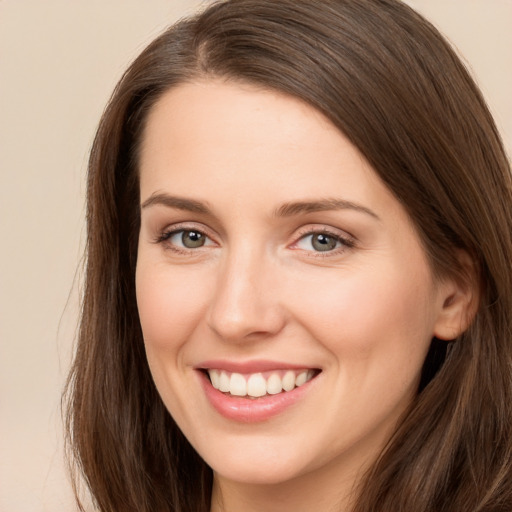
[460, 300]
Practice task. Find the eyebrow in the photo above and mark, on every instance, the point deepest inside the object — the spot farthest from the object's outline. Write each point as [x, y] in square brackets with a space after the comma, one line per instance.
[285, 210]
[179, 203]
[296, 208]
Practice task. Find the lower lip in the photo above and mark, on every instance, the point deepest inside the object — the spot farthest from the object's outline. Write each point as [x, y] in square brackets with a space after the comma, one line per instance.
[246, 410]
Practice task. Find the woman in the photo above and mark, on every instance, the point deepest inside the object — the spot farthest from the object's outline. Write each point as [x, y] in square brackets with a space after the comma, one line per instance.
[298, 277]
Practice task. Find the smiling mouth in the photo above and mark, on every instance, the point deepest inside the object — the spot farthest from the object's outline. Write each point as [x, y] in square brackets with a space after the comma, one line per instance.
[257, 385]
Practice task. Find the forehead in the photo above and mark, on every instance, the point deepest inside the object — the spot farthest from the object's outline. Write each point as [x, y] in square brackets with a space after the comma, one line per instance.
[244, 148]
[240, 126]
[240, 112]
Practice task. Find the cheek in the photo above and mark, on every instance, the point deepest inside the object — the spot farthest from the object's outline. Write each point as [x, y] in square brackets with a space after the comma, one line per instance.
[377, 331]
[170, 305]
[370, 316]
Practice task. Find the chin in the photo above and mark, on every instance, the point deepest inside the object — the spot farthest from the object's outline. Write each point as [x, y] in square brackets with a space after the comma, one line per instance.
[258, 462]
[254, 473]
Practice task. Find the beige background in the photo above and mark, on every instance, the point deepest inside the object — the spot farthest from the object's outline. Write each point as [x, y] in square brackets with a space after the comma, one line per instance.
[59, 60]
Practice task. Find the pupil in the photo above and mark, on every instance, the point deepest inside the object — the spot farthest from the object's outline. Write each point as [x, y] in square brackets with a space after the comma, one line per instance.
[192, 239]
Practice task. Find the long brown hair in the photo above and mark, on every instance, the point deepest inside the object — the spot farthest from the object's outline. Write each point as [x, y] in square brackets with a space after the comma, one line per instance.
[387, 79]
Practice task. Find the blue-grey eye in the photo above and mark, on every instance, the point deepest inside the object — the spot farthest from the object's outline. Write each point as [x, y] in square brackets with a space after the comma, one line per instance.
[320, 242]
[193, 239]
[188, 238]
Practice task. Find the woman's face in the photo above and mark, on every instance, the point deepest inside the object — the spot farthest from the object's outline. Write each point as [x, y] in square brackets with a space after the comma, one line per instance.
[274, 263]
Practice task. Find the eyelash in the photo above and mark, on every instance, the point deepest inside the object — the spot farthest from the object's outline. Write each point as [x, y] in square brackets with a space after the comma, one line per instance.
[167, 234]
[346, 242]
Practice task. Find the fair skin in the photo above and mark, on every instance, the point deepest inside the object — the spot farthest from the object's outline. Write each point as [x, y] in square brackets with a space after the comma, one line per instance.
[268, 245]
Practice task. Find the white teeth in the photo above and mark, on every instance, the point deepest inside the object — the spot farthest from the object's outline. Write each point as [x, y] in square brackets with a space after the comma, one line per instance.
[237, 385]
[255, 385]
[289, 381]
[274, 384]
[302, 378]
[215, 378]
[224, 383]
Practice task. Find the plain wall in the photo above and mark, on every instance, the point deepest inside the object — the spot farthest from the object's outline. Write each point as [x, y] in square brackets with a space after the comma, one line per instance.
[59, 61]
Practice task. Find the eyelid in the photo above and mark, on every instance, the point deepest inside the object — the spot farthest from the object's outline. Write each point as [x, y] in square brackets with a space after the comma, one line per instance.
[347, 240]
[172, 229]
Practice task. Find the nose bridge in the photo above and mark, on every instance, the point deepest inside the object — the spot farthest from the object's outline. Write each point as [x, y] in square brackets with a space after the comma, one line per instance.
[245, 300]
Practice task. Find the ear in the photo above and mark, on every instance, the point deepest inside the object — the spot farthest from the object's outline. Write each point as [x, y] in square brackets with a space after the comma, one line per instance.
[459, 297]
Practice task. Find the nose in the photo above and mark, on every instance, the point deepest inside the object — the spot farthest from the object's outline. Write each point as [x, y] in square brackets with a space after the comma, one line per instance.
[245, 305]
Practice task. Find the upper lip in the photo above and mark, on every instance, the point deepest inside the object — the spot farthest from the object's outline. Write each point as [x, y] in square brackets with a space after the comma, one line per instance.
[254, 366]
